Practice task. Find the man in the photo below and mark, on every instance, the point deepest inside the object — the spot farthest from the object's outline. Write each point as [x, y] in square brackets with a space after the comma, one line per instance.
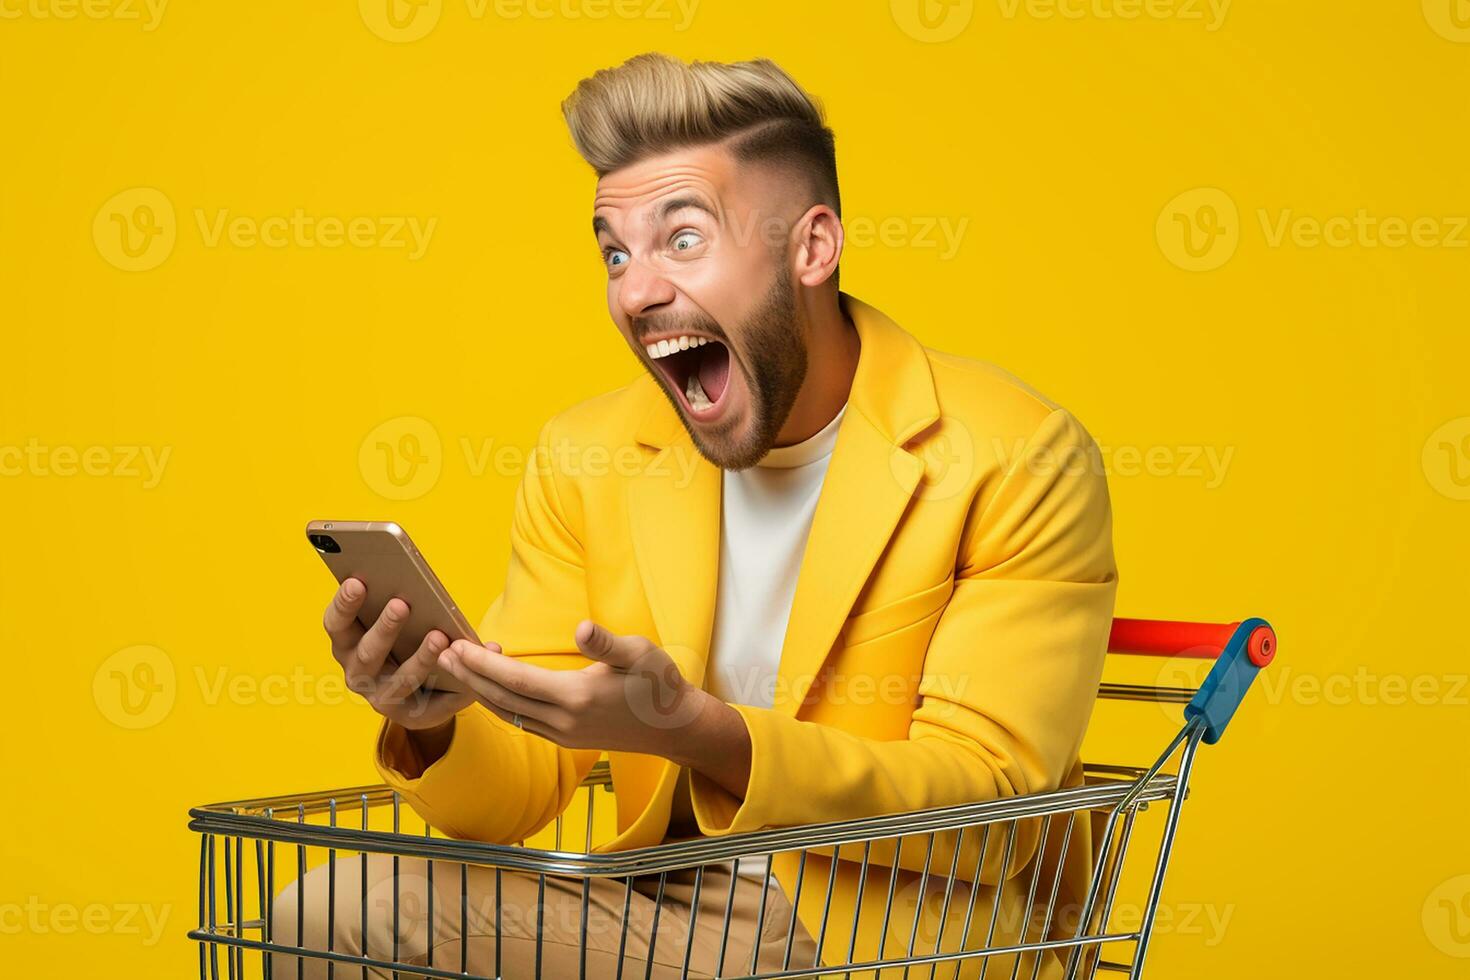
[848, 576]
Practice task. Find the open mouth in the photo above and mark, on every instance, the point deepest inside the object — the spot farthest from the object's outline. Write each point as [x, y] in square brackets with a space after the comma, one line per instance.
[698, 368]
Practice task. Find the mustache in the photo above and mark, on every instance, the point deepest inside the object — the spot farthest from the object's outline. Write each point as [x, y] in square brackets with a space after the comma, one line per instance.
[697, 323]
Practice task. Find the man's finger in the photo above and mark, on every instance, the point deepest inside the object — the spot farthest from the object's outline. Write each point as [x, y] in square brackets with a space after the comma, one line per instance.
[406, 680]
[340, 619]
[536, 683]
[602, 644]
[372, 650]
[495, 695]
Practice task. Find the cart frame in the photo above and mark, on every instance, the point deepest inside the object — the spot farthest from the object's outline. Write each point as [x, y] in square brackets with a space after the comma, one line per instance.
[1113, 796]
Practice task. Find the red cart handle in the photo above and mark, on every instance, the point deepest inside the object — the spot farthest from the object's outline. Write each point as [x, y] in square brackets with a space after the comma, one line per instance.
[1168, 638]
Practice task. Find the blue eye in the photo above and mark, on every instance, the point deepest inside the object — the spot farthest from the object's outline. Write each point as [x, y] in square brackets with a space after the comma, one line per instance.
[616, 257]
[685, 240]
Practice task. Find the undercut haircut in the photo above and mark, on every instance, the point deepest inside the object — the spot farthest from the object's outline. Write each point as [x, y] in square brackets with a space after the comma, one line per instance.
[654, 103]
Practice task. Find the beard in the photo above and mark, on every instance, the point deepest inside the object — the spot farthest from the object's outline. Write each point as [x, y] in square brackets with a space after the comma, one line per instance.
[773, 360]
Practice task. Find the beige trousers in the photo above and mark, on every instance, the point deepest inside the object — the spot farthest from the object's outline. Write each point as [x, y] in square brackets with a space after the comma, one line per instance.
[508, 947]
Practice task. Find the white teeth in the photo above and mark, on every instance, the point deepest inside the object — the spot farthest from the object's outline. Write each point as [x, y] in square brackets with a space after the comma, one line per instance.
[694, 391]
[664, 348]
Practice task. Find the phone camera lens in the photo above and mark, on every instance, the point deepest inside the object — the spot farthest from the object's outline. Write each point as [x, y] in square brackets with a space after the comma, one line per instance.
[325, 543]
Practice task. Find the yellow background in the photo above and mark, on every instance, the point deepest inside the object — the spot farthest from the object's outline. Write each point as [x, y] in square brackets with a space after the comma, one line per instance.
[1329, 825]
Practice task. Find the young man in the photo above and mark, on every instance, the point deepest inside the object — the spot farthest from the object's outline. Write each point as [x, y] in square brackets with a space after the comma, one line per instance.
[846, 576]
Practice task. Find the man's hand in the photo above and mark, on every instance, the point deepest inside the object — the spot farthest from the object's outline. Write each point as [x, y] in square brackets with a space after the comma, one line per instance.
[632, 699]
[395, 691]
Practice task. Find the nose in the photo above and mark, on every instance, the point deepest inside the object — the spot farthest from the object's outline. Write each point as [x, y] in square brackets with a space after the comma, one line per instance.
[642, 290]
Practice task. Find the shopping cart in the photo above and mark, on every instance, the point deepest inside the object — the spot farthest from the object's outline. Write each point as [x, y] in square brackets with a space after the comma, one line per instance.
[251, 849]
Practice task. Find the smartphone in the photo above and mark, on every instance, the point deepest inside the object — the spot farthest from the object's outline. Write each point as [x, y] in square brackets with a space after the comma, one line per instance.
[381, 556]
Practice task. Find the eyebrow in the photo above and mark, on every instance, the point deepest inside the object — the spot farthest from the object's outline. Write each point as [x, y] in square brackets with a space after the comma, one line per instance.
[681, 203]
[600, 225]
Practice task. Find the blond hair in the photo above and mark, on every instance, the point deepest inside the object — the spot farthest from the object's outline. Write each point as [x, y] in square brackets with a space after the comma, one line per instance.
[653, 103]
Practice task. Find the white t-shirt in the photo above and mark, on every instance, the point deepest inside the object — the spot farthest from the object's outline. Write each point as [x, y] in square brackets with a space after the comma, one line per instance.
[765, 518]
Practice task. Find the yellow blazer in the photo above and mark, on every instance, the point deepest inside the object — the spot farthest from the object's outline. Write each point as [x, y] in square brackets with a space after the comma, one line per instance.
[945, 643]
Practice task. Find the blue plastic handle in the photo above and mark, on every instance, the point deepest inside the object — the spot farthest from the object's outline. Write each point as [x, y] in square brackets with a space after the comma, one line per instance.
[1228, 680]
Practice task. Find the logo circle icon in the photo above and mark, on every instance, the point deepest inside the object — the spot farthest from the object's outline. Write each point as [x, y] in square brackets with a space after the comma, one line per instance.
[1199, 229]
[404, 896]
[1446, 459]
[1179, 672]
[400, 21]
[401, 459]
[1450, 19]
[135, 230]
[136, 687]
[651, 698]
[918, 913]
[932, 21]
[948, 454]
[1446, 917]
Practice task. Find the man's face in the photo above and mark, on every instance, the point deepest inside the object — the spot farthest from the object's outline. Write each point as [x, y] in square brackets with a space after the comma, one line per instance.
[696, 250]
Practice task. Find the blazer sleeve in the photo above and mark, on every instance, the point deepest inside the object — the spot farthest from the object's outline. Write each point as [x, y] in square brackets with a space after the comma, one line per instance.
[496, 783]
[1009, 678]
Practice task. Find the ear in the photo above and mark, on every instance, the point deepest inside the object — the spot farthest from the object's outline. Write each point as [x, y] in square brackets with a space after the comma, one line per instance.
[818, 245]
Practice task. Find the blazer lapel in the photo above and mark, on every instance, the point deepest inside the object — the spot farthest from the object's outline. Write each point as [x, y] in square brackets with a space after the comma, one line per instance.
[868, 486]
[869, 482]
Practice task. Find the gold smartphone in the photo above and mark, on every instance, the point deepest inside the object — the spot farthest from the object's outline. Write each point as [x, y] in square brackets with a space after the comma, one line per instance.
[381, 556]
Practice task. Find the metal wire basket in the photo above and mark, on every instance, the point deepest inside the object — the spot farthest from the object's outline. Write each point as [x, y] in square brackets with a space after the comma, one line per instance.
[252, 850]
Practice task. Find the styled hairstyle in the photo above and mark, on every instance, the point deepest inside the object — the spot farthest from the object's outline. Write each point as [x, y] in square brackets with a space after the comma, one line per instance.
[654, 103]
